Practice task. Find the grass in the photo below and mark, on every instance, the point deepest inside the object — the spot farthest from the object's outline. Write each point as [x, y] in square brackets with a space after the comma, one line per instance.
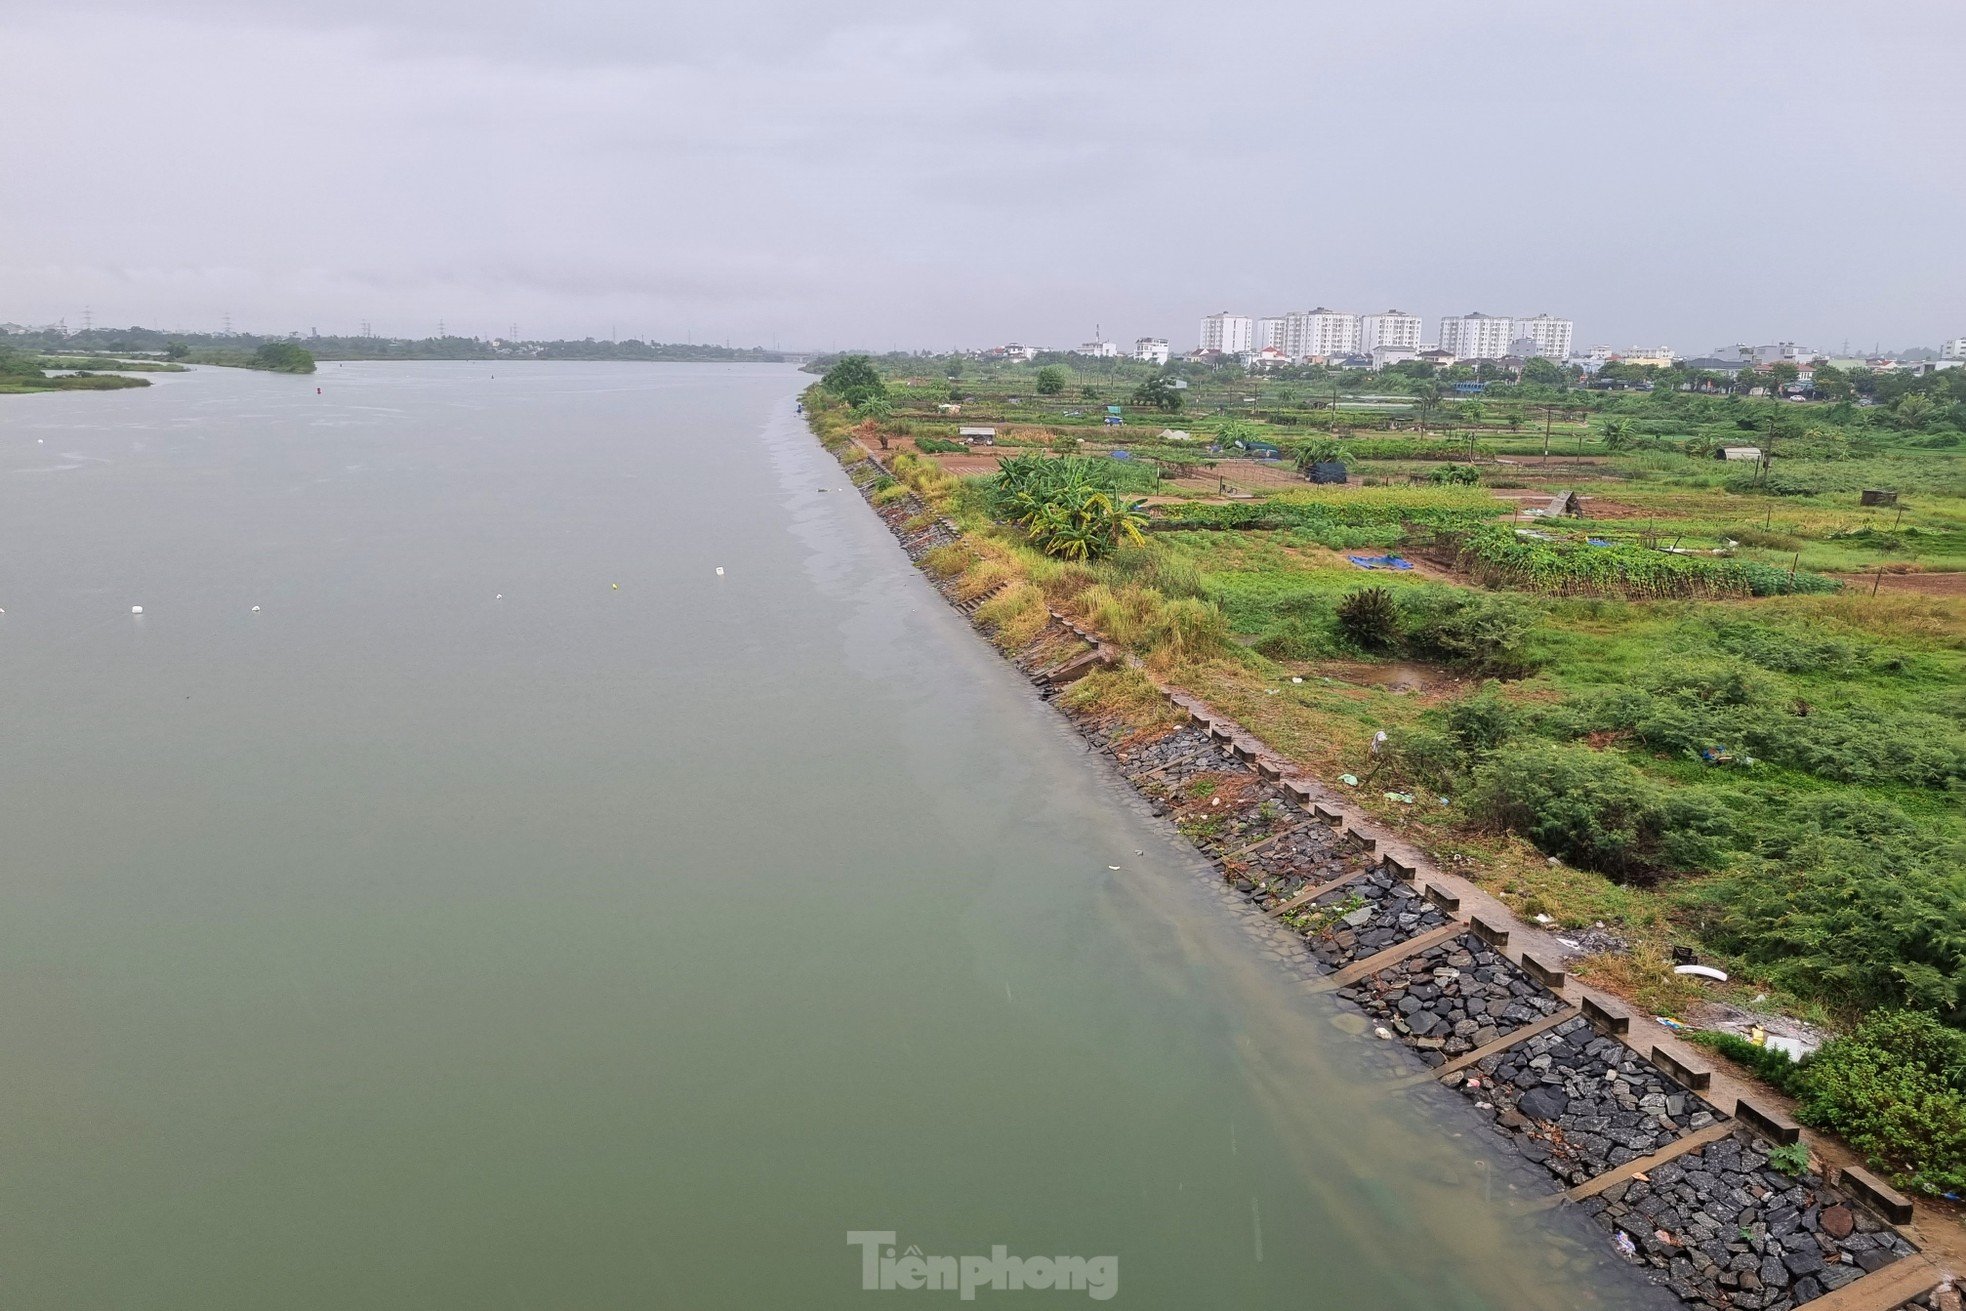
[1240, 600]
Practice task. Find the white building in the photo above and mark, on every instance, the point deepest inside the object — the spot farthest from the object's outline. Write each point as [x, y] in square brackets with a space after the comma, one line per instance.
[1394, 328]
[1017, 352]
[1151, 349]
[1320, 333]
[1551, 335]
[1269, 331]
[1477, 336]
[1231, 334]
[1953, 350]
[1384, 357]
[1105, 350]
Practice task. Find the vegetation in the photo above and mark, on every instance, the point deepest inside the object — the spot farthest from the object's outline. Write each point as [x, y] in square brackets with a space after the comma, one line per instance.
[21, 372]
[1894, 1089]
[283, 357]
[1753, 745]
[1063, 509]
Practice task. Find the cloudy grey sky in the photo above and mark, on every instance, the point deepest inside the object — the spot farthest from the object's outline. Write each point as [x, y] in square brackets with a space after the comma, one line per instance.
[932, 174]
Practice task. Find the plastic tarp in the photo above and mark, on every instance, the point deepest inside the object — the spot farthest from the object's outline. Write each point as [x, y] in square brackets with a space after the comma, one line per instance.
[1379, 562]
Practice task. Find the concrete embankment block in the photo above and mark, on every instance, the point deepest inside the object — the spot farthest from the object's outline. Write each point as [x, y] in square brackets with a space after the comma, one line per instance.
[1489, 933]
[1876, 1194]
[1686, 1075]
[1766, 1122]
[1611, 1020]
[1548, 975]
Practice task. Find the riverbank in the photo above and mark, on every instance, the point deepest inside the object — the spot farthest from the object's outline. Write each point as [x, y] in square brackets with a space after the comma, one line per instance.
[1688, 1177]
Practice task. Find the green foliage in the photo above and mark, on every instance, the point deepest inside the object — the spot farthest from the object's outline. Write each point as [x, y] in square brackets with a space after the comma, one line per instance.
[1597, 812]
[1051, 380]
[929, 445]
[1895, 1090]
[1500, 556]
[1477, 630]
[1062, 507]
[1791, 1159]
[1159, 392]
[854, 380]
[1369, 617]
[1772, 1067]
[1454, 475]
[1371, 507]
[1846, 898]
[283, 357]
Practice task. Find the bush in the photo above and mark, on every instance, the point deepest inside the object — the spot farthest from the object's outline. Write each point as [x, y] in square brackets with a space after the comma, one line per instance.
[1370, 618]
[1849, 900]
[1597, 812]
[1472, 629]
[1896, 1091]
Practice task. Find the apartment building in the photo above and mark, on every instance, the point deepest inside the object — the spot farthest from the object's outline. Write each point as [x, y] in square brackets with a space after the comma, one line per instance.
[1320, 333]
[1551, 335]
[1395, 329]
[1477, 336]
[1153, 350]
[1231, 334]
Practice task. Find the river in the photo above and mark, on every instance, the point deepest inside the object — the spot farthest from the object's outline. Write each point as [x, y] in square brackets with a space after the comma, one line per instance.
[536, 848]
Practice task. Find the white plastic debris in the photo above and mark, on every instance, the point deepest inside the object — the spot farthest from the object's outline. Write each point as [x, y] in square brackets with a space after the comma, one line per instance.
[1702, 971]
[255, 609]
[499, 597]
[136, 609]
[720, 571]
[1295, 679]
[1383, 1032]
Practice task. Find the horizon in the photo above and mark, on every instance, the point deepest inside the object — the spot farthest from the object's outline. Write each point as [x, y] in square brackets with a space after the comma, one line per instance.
[877, 178]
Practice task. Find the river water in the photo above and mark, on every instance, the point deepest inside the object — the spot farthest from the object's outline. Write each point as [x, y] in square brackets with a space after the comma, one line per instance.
[514, 911]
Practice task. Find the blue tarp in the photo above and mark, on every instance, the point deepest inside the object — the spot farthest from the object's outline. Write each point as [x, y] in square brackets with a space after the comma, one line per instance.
[1121, 455]
[1597, 541]
[1379, 562]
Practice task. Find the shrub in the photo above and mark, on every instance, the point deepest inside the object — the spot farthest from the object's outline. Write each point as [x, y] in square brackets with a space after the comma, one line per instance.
[1370, 618]
[1852, 902]
[1597, 812]
[1473, 629]
[1896, 1091]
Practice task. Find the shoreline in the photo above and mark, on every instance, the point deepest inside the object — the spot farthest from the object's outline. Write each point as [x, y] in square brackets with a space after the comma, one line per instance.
[1570, 1078]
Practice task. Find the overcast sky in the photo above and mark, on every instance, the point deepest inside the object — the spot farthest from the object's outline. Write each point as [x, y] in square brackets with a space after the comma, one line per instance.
[915, 174]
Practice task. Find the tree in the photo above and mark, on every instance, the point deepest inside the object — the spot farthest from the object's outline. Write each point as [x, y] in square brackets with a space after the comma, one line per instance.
[853, 379]
[283, 357]
[1158, 391]
[176, 350]
[1051, 380]
[1473, 411]
[1545, 373]
[1617, 434]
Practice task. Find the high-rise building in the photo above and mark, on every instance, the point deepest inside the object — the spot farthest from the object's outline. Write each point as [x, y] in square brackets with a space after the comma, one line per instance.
[1477, 336]
[1269, 331]
[1550, 335]
[1395, 328]
[1231, 334]
[1151, 349]
[1954, 349]
[1321, 333]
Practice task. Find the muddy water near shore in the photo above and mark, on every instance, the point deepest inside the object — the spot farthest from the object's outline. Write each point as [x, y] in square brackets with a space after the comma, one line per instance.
[464, 929]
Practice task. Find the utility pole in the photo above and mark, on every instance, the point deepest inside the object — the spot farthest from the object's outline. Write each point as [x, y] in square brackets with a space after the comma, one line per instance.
[1549, 416]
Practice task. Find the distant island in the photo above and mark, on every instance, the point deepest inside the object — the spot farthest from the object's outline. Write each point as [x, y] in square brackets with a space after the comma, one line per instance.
[245, 350]
[21, 371]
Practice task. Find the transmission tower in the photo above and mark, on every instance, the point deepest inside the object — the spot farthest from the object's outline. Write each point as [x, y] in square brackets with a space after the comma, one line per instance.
[88, 318]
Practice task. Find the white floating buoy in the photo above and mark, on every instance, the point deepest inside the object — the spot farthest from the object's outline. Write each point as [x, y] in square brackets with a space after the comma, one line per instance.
[136, 609]
[499, 597]
[255, 609]
[720, 571]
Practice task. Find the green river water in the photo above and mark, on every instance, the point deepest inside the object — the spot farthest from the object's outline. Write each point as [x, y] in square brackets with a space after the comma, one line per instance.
[461, 929]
